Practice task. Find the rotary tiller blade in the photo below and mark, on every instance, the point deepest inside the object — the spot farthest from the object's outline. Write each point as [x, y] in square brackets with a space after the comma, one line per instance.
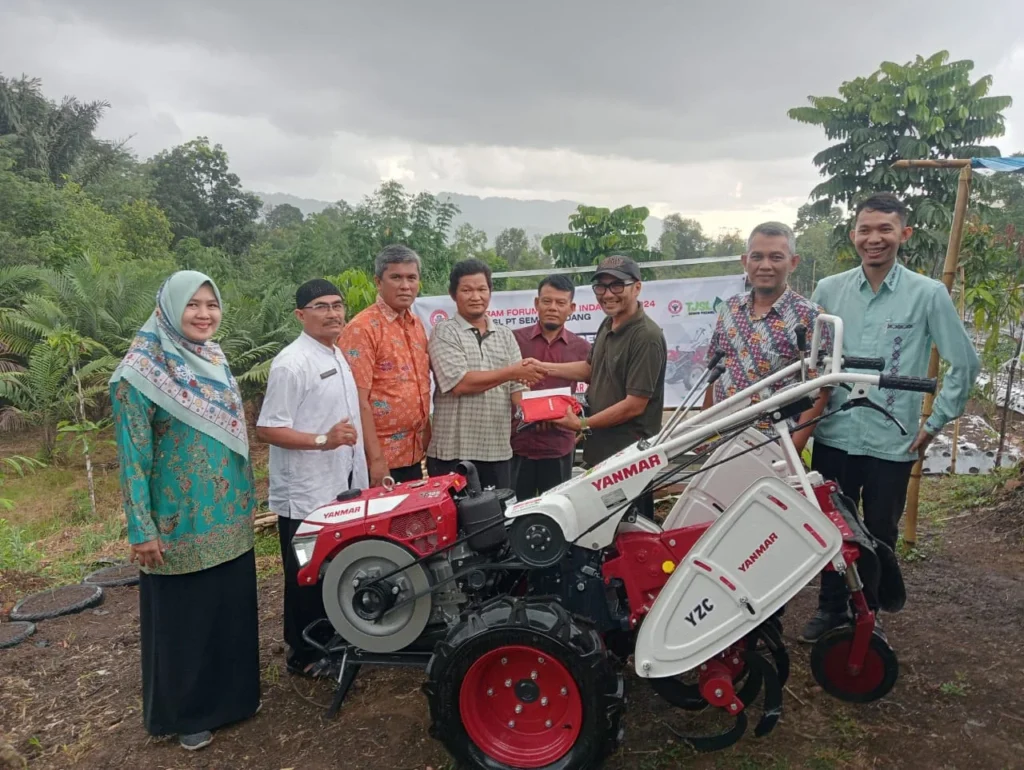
[772, 706]
[707, 743]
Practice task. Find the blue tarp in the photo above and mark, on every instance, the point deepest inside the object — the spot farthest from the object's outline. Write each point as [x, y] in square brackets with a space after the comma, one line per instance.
[999, 164]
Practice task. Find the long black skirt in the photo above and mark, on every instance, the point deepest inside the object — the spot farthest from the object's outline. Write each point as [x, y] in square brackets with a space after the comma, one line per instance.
[199, 634]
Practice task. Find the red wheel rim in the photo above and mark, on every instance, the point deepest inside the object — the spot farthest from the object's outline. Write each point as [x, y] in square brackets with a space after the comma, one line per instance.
[521, 707]
[836, 672]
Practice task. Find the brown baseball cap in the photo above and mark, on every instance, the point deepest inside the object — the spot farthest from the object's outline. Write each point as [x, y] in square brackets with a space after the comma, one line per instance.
[620, 267]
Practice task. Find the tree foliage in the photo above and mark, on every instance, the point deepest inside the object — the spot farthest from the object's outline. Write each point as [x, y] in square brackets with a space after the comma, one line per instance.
[50, 140]
[203, 199]
[924, 109]
[595, 233]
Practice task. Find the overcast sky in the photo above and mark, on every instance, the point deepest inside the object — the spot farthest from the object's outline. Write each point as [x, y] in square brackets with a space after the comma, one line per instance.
[664, 104]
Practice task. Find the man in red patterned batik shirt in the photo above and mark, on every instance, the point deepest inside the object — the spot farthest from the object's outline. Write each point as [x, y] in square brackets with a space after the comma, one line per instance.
[542, 455]
[756, 329]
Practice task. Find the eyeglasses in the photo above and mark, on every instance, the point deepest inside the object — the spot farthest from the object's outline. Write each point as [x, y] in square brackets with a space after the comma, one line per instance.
[322, 307]
[616, 288]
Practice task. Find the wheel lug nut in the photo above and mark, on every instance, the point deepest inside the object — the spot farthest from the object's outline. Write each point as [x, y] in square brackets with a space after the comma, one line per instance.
[490, 692]
[718, 692]
[519, 708]
[508, 682]
[565, 691]
[512, 723]
[543, 701]
[504, 661]
[547, 723]
[541, 661]
[533, 675]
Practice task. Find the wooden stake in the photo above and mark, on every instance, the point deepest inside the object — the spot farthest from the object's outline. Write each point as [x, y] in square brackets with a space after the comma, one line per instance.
[956, 232]
[956, 423]
[1006, 401]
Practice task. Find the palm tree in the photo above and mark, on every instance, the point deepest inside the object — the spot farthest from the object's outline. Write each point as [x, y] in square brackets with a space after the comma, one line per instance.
[53, 388]
[52, 139]
[253, 331]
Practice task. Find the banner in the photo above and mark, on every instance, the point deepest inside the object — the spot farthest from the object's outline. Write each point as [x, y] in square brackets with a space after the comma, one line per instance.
[685, 308]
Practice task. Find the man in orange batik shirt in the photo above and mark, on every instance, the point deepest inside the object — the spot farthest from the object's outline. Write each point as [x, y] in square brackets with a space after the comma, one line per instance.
[386, 348]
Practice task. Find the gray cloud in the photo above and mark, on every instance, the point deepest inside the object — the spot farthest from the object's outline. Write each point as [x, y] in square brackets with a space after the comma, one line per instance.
[554, 98]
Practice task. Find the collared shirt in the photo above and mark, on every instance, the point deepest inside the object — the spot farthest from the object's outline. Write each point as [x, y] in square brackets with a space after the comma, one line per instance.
[755, 346]
[899, 323]
[627, 361]
[310, 389]
[477, 426]
[566, 347]
[387, 351]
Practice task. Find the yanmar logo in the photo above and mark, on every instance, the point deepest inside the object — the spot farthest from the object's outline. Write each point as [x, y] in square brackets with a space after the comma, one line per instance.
[630, 470]
[759, 552]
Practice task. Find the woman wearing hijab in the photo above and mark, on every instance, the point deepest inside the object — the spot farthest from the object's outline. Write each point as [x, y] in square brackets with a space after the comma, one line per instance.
[188, 494]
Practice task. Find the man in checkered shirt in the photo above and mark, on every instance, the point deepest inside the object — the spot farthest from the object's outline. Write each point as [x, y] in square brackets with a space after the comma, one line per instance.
[480, 376]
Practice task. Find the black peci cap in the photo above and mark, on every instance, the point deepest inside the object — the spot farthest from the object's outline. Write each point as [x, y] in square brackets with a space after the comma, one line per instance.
[315, 289]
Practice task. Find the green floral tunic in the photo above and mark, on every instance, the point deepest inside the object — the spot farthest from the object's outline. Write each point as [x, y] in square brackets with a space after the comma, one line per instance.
[182, 485]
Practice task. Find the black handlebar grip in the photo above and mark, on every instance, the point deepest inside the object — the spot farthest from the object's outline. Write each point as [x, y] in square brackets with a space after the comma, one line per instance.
[717, 372]
[918, 384]
[859, 362]
[801, 337]
[718, 356]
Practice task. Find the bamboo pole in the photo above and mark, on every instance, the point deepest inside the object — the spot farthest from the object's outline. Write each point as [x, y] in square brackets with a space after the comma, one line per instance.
[956, 423]
[956, 232]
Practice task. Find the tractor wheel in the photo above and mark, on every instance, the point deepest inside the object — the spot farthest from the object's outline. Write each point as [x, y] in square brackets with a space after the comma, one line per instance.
[522, 684]
[828, 666]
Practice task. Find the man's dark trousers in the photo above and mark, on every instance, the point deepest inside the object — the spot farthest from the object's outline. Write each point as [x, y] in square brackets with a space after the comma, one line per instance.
[880, 487]
[532, 478]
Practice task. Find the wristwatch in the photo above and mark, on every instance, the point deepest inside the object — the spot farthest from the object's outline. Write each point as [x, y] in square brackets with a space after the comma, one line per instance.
[321, 440]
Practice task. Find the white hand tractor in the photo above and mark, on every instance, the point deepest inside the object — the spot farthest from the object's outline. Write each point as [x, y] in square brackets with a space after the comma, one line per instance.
[523, 613]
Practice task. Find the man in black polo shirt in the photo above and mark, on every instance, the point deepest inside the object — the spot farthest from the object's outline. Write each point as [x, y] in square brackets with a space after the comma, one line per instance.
[625, 369]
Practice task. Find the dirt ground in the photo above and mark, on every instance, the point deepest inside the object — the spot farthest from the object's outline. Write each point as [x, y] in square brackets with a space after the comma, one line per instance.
[70, 696]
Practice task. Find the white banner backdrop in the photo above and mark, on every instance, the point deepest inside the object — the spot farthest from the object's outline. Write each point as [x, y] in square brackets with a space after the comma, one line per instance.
[686, 308]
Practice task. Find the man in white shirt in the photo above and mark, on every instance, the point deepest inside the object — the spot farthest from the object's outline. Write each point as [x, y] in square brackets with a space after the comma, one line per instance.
[310, 418]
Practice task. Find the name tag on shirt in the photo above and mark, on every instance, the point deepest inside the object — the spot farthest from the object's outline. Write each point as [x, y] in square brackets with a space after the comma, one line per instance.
[328, 373]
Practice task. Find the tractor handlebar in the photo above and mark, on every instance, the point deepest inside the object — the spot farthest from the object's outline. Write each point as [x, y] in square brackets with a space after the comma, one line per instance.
[917, 384]
[859, 362]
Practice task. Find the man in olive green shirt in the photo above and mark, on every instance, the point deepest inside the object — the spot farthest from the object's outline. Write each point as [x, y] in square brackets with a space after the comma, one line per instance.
[895, 314]
[625, 369]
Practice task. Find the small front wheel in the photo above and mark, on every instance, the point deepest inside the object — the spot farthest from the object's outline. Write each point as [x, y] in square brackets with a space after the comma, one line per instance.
[829, 659]
[523, 685]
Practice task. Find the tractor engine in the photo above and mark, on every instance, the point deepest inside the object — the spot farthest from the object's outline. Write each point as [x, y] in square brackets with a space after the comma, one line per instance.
[397, 565]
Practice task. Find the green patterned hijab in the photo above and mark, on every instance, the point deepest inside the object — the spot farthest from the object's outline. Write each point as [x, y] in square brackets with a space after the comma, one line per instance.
[191, 380]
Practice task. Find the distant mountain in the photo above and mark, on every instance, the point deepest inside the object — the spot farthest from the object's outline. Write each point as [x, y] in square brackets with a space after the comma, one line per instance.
[492, 215]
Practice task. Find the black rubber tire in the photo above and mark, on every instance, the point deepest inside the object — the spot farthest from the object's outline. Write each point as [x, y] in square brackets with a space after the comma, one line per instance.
[843, 635]
[17, 637]
[106, 577]
[94, 598]
[545, 625]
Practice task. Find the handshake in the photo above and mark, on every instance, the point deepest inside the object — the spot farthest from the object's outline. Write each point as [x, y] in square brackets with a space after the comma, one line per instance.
[530, 371]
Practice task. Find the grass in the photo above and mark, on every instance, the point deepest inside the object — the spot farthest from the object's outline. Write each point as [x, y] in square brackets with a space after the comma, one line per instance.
[944, 496]
[957, 688]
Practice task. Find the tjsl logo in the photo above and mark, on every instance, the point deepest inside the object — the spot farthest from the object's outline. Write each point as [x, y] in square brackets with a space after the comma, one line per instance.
[703, 307]
[675, 307]
[759, 552]
[630, 470]
[437, 316]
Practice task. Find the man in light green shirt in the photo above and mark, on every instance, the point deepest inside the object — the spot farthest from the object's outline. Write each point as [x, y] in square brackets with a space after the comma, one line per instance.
[896, 314]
